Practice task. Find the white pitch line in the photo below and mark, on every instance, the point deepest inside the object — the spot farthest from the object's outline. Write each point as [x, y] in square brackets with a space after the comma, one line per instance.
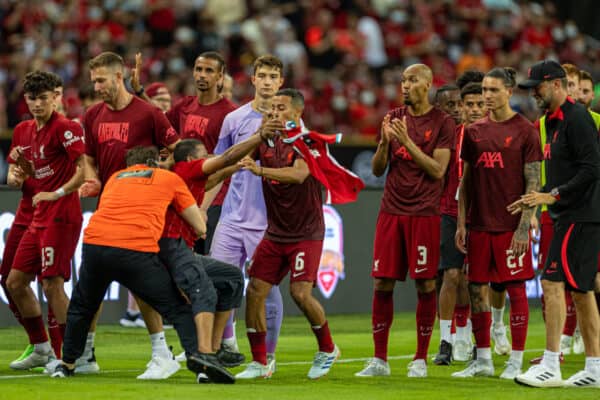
[340, 361]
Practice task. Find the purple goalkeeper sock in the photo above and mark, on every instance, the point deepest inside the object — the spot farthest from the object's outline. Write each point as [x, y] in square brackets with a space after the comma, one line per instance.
[229, 330]
[274, 311]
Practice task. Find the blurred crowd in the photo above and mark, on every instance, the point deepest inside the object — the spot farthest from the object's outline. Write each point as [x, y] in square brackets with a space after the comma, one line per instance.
[345, 55]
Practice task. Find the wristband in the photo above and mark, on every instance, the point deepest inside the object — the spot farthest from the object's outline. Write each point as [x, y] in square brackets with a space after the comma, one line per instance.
[60, 192]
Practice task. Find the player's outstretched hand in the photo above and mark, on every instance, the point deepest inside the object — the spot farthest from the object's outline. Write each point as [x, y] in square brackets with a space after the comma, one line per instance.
[250, 165]
[90, 188]
[516, 207]
[270, 128]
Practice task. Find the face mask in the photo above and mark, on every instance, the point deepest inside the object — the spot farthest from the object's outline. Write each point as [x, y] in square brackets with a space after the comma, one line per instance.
[571, 31]
[398, 16]
[176, 65]
[367, 97]
[94, 13]
[339, 103]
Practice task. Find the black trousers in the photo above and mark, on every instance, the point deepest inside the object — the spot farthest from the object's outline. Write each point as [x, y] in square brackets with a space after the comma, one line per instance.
[209, 284]
[143, 274]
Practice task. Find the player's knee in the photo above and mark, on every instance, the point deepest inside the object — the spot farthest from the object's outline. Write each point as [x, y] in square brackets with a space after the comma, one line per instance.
[425, 285]
[452, 277]
[15, 283]
[300, 294]
[53, 286]
[385, 285]
[497, 287]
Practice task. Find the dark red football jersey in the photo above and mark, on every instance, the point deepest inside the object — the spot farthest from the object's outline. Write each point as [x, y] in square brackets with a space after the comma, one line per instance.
[294, 211]
[497, 153]
[54, 149]
[408, 189]
[22, 137]
[194, 178]
[194, 120]
[449, 205]
[109, 133]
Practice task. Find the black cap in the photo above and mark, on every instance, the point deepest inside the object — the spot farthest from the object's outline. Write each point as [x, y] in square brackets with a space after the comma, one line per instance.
[542, 71]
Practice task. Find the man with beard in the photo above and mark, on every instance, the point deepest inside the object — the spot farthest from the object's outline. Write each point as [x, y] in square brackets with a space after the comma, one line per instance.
[572, 194]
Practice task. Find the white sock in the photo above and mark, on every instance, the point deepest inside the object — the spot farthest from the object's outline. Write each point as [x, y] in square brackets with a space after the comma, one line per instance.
[131, 311]
[462, 333]
[517, 355]
[445, 327]
[159, 345]
[551, 360]
[89, 345]
[497, 317]
[484, 353]
[566, 338]
[42, 348]
[592, 365]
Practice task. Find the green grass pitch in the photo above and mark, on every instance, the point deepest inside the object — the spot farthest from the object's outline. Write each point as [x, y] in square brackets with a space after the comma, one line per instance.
[123, 352]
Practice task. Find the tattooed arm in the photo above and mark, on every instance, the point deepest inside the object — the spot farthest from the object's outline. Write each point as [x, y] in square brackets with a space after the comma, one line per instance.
[520, 241]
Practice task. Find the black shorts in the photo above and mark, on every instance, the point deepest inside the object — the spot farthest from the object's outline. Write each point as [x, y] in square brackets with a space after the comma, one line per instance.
[210, 285]
[573, 255]
[227, 279]
[450, 256]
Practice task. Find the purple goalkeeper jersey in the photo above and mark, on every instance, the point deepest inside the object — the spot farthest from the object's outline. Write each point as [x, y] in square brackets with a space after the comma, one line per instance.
[244, 204]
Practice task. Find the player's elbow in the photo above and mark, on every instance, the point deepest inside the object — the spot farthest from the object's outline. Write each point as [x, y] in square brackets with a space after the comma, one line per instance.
[300, 178]
[437, 173]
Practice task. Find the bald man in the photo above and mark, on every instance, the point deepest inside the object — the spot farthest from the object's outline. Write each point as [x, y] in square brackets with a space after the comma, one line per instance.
[416, 141]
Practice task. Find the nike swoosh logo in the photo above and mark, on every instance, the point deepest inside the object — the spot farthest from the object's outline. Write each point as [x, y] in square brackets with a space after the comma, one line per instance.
[378, 330]
[515, 272]
[419, 270]
[297, 274]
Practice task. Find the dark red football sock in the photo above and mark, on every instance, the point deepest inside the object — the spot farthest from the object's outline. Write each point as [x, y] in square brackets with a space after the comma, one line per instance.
[482, 322]
[381, 320]
[54, 331]
[35, 329]
[323, 336]
[461, 314]
[519, 314]
[426, 306]
[571, 320]
[258, 346]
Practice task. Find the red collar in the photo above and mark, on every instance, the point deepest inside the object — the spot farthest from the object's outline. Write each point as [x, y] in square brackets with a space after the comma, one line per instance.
[558, 113]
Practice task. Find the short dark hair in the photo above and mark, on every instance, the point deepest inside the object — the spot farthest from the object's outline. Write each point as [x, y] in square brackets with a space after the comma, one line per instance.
[185, 148]
[213, 55]
[268, 60]
[471, 88]
[444, 88]
[508, 75]
[469, 76]
[585, 76]
[296, 96]
[142, 155]
[106, 59]
[38, 82]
